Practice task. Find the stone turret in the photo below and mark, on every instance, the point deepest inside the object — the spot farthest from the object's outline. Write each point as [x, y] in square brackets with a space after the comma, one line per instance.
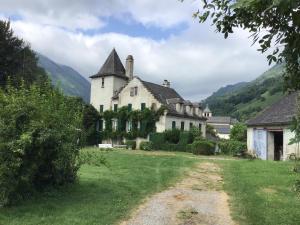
[207, 113]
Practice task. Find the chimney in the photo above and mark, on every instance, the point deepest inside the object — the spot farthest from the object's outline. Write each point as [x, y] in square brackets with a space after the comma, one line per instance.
[129, 67]
[166, 83]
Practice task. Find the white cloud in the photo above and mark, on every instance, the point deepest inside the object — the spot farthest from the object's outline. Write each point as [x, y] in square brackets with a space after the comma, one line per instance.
[86, 14]
[197, 62]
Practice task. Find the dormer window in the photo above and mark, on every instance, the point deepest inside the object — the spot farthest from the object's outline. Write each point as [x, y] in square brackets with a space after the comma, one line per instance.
[133, 91]
[102, 82]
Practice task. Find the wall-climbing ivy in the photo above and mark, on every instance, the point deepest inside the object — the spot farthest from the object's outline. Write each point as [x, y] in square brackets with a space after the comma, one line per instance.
[142, 122]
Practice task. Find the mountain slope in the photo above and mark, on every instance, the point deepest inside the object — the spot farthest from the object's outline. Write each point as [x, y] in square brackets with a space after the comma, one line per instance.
[246, 100]
[228, 89]
[70, 81]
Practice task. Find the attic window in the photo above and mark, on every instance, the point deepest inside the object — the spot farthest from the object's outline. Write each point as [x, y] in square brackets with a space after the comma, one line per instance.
[102, 82]
[133, 91]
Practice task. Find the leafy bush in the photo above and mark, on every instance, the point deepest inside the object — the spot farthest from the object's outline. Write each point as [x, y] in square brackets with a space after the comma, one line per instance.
[189, 148]
[172, 136]
[157, 139]
[186, 138]
[239, 132]
[131, 144]
[39, 132]
[196, 132]
[231, 147]
[204, 147]
[90, 119]
[146, 145]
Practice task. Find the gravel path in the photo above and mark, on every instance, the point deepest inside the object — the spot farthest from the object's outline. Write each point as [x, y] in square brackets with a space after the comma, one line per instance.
[196, 200]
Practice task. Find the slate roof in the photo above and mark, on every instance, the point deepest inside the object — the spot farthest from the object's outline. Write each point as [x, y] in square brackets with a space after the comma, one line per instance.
[222, 129]
[112, 67]
[280, 113]
[221, 120]
[207, 110]
[169, 97]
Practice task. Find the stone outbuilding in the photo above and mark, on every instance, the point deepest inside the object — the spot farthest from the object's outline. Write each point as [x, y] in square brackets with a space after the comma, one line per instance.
[221, 124]
[269, 134]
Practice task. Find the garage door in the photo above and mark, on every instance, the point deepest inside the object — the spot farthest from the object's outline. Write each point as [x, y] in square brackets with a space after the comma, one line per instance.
[260, 143]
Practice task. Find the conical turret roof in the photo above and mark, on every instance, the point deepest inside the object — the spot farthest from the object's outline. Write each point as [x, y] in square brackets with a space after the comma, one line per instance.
[112, 67]
[207, 110]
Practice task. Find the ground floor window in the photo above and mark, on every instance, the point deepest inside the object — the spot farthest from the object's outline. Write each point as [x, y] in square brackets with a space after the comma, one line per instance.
[191, 125]
[173, 125]
[182, 126]
[114, 125]
[129, 126]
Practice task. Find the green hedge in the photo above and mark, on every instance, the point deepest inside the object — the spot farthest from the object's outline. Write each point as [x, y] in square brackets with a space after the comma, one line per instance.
[204, 147]
[146, 145]
[130, 144]
[157, 139]
[231, 147]
[186, 138]
[172, 136]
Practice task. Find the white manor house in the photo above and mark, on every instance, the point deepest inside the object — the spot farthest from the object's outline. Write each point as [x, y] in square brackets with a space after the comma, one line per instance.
[114, 87]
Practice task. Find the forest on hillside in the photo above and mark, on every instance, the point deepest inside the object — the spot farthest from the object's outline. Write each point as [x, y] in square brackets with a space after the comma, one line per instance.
[244, 100]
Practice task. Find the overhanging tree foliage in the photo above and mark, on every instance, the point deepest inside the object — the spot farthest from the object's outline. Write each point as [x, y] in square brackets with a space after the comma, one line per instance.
[274, 24]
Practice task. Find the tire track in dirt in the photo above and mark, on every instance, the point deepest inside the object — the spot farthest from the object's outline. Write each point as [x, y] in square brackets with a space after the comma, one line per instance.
[197, 200]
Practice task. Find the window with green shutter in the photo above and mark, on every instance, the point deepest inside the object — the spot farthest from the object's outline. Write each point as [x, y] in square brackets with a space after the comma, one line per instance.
[182, 126]
[173, 125]
[101, 125]
[143, 106]
[115, 107]
[129, 107]
[101, 108]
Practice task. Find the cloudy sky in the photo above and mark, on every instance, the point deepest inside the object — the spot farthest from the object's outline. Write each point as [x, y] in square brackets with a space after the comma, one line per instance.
[166, 42]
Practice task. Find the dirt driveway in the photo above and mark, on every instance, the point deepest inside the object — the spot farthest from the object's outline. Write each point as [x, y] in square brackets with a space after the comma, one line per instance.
[196, 200]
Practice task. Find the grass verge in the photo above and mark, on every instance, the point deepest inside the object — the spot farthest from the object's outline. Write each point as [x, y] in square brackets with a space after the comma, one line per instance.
[261, 192]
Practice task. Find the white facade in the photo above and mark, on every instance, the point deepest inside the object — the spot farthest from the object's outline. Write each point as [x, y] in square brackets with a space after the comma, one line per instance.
[143, 96]
[114, 86]
[103, 89]
[268, 144]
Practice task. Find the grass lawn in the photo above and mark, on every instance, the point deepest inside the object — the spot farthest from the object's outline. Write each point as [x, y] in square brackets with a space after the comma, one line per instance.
[102, 195]
[261, 192]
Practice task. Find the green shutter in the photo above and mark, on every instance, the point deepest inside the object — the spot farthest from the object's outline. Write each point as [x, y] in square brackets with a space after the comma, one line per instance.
[129, 107]
[101, 125]
[143, 106]
[101, 108]
[173, 125]
[115, 107]
[182, 125]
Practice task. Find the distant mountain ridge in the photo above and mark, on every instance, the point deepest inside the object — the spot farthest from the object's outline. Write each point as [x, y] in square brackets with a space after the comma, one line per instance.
[244, 100]
[69, 80]
[228, 89]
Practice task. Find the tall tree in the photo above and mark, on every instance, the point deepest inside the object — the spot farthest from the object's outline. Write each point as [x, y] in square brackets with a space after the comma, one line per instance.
[17, 61]
[274, 24]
